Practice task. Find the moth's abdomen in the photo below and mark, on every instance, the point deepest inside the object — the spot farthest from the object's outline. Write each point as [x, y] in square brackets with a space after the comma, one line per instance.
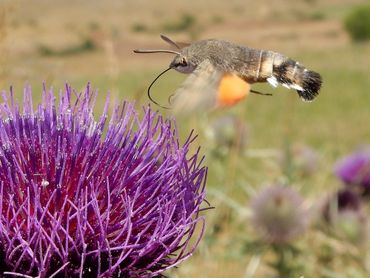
[292, 75]
[275, 68]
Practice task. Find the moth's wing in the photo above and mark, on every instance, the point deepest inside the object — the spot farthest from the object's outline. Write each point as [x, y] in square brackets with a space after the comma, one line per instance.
[208, 88]
[199, 91]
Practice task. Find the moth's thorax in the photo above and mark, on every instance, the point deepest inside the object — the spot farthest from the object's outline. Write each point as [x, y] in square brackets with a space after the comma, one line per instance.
[225, 56]
[253, 65]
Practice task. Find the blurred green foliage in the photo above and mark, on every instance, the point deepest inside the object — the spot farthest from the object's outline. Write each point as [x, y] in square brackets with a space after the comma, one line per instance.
[357, 23]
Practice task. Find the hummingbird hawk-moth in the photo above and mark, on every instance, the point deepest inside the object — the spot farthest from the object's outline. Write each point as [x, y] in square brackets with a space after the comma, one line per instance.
[221, 73]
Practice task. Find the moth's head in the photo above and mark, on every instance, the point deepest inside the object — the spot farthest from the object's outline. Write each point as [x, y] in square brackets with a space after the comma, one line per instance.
[182, 64]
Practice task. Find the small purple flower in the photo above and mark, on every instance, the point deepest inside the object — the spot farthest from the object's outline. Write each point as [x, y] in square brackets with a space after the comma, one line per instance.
[355, 170]
[278, 212]
[83, 198]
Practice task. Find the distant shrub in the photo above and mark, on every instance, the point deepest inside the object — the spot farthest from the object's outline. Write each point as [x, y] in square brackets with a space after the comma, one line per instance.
[185, 23]
[217, 19]
[94, 26]
[45, 50]
[311, 2]
[357, 23]
[317, 16]
[85, 46]
[139, 27]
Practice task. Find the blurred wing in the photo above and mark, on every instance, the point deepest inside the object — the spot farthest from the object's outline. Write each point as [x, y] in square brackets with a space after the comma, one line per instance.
[199, 91]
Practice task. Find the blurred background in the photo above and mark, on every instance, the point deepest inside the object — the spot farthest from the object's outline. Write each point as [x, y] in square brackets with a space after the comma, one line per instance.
[253, 149]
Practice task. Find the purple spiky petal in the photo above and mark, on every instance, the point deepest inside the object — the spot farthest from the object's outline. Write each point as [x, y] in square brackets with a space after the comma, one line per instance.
[87, 198]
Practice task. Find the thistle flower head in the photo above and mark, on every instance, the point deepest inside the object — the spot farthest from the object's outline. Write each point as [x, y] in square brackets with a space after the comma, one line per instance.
[354, 170]
[80, 197]
[279, 214]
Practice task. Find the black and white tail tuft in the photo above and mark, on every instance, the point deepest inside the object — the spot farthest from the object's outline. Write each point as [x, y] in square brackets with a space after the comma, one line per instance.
[292, 75]
[311, 84]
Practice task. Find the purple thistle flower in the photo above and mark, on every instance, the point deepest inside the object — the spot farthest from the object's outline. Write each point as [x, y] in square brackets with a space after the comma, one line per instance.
[355, 170]
[77, 203]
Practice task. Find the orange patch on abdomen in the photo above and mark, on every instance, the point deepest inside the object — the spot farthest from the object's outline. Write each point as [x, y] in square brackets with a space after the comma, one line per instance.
[231, 90]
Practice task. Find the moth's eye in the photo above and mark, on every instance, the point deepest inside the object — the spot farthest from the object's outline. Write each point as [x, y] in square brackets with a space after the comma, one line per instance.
[184, 62]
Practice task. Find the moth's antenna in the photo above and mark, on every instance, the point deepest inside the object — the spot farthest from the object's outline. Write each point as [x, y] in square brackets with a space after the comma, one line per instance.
[150, 86]
[259, 93]
[156, 51]
[169, 41]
